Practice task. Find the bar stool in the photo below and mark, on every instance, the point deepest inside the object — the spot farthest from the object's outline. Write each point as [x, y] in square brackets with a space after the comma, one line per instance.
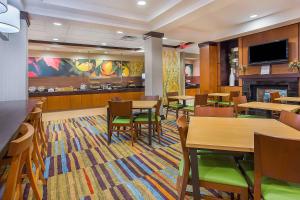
[20, 151]
[38, 145]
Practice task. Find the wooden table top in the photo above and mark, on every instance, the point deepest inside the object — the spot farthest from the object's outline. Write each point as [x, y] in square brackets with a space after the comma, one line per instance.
[234, 134]
[143, 104]
[270, 106]
[12, 114]
[182, 97]
[219, 94]
[293, 99]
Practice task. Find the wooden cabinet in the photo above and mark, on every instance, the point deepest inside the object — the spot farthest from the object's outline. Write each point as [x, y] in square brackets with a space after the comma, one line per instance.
[192, 91]
[82, 101]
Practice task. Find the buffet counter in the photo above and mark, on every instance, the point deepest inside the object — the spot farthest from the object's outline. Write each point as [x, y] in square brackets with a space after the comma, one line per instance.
[81, 99]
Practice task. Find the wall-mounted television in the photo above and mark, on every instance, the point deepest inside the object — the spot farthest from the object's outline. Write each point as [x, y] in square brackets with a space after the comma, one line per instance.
[269, 53]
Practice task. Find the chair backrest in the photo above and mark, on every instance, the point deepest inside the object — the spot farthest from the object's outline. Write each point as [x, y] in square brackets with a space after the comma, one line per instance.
[291, 119]
[273, 96]
[157, 107]
[120, 108]
[233, 94]
[170, 94]
[24, 142]
[116, 99]
[276, 158]
[183, 130]
[201, 99]
[150, 98]
[39, 104]
[239, 100]
[214, 111]
[43, 99]
[35, 116]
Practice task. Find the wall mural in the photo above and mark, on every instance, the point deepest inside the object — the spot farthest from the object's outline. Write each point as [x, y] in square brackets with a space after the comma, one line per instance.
[171, 71]
[188, 69]
[47, 67]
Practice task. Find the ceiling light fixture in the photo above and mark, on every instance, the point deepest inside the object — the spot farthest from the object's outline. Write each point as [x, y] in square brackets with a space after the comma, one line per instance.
[141, 3]
[104, 44]
[55, 39]
[57, 23]
[253, 16]
[3, 6]
[10, 20]
[120, 32]
[164, 38]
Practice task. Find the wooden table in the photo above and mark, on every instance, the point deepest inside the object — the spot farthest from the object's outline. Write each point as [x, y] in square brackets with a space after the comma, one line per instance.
[219, 94]
[12, 114]
[229, 134]
[270, 106]
[292, 99]
[183, 98]
[147, 105]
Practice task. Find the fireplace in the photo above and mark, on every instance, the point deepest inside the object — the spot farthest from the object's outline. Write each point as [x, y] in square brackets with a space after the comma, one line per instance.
[258, 87]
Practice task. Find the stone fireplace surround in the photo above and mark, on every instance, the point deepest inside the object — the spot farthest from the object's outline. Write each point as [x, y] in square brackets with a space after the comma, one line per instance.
[270, 81]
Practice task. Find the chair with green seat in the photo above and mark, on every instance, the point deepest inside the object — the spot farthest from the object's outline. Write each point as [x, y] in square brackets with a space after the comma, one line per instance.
[229, 103]
[242, 112]
[215, 172]
[275, 172]
[121, 116]
[142, 119]
[200, 100]
[173, 104]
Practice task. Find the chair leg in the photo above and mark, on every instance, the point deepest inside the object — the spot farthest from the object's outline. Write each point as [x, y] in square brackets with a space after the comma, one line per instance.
[182, 182]
[177, 111]
[167, 112]
[32, 178]
[244, 194]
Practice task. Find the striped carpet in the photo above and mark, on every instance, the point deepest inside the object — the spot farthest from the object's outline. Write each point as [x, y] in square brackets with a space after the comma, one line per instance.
[81, 165]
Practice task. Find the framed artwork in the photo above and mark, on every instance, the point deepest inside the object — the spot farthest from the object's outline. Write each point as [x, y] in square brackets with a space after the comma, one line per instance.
[188, 69]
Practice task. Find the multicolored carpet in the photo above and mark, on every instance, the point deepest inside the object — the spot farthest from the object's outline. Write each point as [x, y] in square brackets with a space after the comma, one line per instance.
[81, 165]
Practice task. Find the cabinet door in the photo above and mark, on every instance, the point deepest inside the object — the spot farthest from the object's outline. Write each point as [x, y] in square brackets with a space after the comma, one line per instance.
[86, 101]
[75, 101]
[55, 103]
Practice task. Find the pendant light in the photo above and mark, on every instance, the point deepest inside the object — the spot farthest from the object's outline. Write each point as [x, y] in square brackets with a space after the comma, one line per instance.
[10, 20]
[3, 6]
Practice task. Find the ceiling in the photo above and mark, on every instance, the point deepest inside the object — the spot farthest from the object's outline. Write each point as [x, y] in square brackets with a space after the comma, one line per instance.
[97, 21]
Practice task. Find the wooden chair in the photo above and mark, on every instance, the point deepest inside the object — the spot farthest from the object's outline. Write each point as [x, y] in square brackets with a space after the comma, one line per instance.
[173, 104]
[200, 100]
[216, 172]
[214, 111]
[231, 95]
[121, 116]
[239, 111]
[291, 119]
[273, 96]
[275, 174]
[38, 144]
[40, 105]
[155, 120]
[20, 150]
[150, 98]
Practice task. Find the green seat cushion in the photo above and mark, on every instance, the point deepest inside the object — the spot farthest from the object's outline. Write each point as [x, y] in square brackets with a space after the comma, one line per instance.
[121, 120]
[175, 105]
[225, 103]
[144, 118]
[189, 108]
[218, 169]
[212, 101]
[249, 116]
[272, 188]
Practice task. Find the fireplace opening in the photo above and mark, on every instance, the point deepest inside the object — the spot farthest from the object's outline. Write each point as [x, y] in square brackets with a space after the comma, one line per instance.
[262, 92]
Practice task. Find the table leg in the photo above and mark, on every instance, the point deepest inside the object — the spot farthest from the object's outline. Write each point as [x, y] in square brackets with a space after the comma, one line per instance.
[150, 125]
[195, 173]
[108, 128]
[184, 103]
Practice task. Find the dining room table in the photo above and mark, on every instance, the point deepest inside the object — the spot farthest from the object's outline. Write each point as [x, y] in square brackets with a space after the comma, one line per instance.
[219, 95]
[144, 105]
[182, 98]
[229, 135]
[12, 115]
[289, 99]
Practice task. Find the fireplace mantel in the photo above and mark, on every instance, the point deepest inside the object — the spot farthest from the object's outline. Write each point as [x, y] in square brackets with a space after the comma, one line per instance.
[270, 76]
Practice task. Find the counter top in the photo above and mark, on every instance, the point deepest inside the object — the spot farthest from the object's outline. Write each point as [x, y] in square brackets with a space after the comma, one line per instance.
[192, 86]
[12, 114]
[89, 91]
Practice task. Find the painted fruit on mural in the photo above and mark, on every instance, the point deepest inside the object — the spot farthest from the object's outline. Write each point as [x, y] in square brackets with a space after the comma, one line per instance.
[107, 68]
[125, 71]
[84, 65]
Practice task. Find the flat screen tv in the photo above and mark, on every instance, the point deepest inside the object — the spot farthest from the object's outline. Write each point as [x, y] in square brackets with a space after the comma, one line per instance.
[269, 53]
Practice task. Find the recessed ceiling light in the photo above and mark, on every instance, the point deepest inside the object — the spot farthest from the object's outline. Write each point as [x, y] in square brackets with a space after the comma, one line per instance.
[104, 44]
[55, 39]
[141, 3]
[57, 23]
[120, 32]
[164, 38]
[253, 16]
